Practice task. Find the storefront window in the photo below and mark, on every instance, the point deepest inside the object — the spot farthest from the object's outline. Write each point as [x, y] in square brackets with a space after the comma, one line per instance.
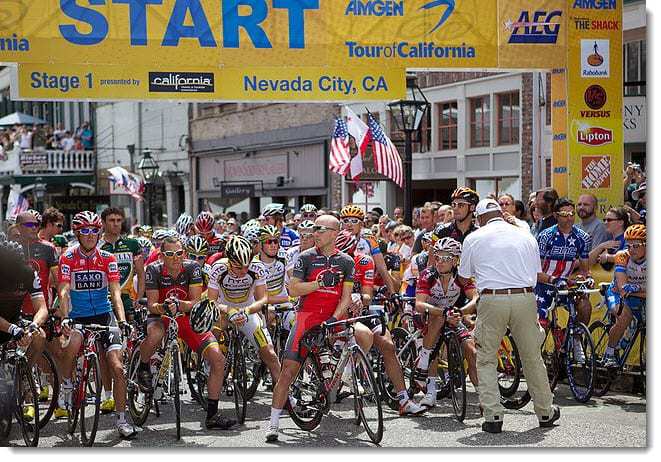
[447, 134]
[635, 68]
[480, 121]
[508, 118]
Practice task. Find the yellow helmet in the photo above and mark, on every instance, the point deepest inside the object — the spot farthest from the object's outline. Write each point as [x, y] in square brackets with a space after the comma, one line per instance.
[352, 211]
[636, 233]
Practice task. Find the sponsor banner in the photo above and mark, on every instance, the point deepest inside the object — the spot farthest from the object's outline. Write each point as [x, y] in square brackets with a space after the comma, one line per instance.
[71, 82]
[559, 159]
[594, 76]
[393, 33]
[532, 34]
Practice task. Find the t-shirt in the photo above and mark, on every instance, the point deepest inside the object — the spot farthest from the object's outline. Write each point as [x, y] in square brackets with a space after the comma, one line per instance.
[429, 283]
[596, 229]
[367, 246]
[125, 251]
[236, 291]
[42, 257]
[157, 278]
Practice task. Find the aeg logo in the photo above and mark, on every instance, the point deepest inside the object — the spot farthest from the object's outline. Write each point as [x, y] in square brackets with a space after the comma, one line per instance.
[540, 29]
[187, 20]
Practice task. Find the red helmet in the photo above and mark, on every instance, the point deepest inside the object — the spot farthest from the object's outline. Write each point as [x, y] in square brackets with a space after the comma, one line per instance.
[204, 222]
[86, 219]
[346, 241]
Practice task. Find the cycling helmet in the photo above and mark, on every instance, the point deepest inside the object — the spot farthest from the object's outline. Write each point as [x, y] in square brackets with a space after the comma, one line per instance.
[12, 247]
[161, 234]
[36, 215]
[146, 231]
[183, 224]
[204, 222]
[145, 245]
[345, 241]
[197, 245]
[636, 233]
[86, 219]
[308, 208]
[427, 236]
[449, 245]
[352, 211]
[252, 223]
[203, 316]
[307, 225]
[466, 194]
[59, 240]
[239, 250]
[268, 231]
[273, 209]
[252, 234]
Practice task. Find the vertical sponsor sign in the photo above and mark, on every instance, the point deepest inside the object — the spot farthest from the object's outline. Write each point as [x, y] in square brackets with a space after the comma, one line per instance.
[559, 159]
[594, 117]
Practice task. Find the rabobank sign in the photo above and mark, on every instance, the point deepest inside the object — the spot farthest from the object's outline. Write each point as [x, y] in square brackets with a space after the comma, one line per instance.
[374, 8]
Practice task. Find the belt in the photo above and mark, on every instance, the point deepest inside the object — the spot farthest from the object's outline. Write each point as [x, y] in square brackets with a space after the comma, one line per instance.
[513, 291]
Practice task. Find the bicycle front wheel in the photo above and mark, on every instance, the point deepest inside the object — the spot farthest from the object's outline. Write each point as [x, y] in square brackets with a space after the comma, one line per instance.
[48, 385]
[239, 381]
[601, 381]
[551, 357]
[457, 377]
[139, 403]
[176, 383]
[580, 368]
[27, 396]
[643, 351]
[91, 402]
[308, 394]
[366, 395]
[509, 367]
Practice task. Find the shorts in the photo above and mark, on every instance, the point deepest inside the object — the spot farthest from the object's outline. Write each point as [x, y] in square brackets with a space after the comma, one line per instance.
[637, 306]
[305, 321]
[110, 341]
[256, 332]
[127, 301]
[196, 342]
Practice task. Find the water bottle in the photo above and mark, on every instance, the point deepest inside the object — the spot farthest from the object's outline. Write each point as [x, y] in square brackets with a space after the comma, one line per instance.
[628, 335]
[326, 368]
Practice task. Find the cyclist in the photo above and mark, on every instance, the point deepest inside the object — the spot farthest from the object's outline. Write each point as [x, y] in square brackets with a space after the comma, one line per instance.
[252, 233]
[145, 231]
[629, 287]
[352, 218]
[197, 249]
[204, 224]
[157, 239]
[306, 242]
[173, 286]
[146, 246]
[184, 226]
[274, 214]
[363, 288]
[564, 250]
[308, 212]
[438, 292]
[237, 284]
[275, 266]
[88, 280]
[464, 201]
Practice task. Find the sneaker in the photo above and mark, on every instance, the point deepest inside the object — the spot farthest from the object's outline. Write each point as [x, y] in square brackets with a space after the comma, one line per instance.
[107, 405]
[61, 413]
[125, 429]
[219, 422]
[610, 362]
[411, 408]
[271, 434]
[28, 413]
[144, 379]
[546, 421]
[420, 378]
[44, 394]
[429, 400]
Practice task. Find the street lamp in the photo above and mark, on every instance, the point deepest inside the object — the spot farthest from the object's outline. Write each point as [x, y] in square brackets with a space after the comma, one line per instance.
[408, 114]
[39, 193]
[149, 169]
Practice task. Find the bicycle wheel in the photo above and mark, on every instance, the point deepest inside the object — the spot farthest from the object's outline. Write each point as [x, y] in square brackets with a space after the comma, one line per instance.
[255, 369]
[551, 357]
[48, 385]
[580, 373]
[239, 379]
[27, 396]
[509, 367]
[139, 403]
[367, 399]
[642, 350]
[309, 395]
[176, 383]
[457, 377]
[444, 388]
[191, 368]
[91, 402]
[601, 381]
[407, 356]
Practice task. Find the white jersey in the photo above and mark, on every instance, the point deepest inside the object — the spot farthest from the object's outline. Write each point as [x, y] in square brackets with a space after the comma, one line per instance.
[276, 277]
[236, 292]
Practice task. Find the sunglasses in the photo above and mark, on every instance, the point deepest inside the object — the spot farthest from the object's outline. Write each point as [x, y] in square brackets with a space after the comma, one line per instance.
[444, 258]
[173, 253]
[59, 225]
[456, 205]
[307, 235]
[608, 220]
[353, 221]
[322, 229]
[197, 257]
[30, 224]
[88, 231]
[309, 215]
[565, 213]
[636, 246]
[272, 241]
[504, 204]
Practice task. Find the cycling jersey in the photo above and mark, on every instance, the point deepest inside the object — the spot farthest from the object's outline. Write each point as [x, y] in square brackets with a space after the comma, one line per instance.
[289, 238]
[11, 300]
[276, 276]
[89, 277]
[561, 253]
[367, 246]
[363, 273]
[429, 283]
[451, 230]
[153, 257]
[636, 272]
[291, 256]
[236, 292]
[41, 256]
[216, 244]
[125, 251]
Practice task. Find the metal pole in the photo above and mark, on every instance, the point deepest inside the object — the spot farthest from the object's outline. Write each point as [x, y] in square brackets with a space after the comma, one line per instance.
[408, 181]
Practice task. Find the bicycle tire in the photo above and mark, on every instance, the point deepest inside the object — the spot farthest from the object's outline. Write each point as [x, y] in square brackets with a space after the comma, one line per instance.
[73, 406]
[139, 411]
[202, 381]
[551, 360]
[53, 382]
[457, 377]
[175, 388]
[93, 371]
[239, 379]
[309, 393]
[601, 382]
[363, 372]
[509, 365]
[406, 358]
[642, 352]
[26, 387]
[580, 376]
[190, 365]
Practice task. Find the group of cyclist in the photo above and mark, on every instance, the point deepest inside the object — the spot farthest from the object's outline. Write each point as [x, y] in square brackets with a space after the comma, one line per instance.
[329, 265]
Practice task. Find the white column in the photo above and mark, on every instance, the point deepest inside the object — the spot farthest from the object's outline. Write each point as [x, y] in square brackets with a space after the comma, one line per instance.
[169, 199]
[138, 210]
[188, 203]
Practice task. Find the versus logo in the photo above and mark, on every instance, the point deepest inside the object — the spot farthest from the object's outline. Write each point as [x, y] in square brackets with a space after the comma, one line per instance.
[541, 29]
[449, 4]
[181, 82]
[595, 98]
[594, 136]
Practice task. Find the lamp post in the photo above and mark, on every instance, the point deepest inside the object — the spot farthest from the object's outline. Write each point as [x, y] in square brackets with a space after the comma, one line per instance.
[39, 194]
[408, 114]
[149, 169]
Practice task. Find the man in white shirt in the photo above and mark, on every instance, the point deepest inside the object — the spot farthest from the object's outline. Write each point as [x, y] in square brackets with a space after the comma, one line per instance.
[504, 260]
[68, 142]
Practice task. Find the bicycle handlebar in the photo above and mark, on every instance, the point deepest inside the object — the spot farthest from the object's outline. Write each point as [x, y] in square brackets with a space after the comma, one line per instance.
[279, 307]
[97, 328]
[578, 291]
[350, 321]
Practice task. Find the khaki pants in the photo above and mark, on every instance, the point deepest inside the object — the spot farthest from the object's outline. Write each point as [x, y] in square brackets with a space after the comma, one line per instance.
[518, 312]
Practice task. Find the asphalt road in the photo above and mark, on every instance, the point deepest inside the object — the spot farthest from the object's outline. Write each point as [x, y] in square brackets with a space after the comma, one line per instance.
[617, 420]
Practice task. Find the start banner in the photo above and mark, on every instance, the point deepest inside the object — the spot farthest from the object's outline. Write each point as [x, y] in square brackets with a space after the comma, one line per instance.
[112, 83]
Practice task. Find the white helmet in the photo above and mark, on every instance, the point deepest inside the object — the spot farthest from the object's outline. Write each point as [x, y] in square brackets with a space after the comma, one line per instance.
[449, 245]
[184, 223]
[252, 233]
[239, 250]
[203, 316]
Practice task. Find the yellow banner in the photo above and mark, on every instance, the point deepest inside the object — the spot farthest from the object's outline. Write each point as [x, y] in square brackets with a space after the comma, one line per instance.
[393, 33]
[559, 160]
[532, 35]
[104, 83]
[594, 76]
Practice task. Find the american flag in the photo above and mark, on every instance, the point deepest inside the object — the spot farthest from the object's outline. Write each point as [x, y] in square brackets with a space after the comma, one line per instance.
[340, 158]
[386, 158]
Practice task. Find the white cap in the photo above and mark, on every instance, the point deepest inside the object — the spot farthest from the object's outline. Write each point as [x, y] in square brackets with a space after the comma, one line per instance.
[487, 206]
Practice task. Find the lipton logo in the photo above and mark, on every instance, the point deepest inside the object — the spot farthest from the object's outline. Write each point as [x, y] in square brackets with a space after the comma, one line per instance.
[595, 136]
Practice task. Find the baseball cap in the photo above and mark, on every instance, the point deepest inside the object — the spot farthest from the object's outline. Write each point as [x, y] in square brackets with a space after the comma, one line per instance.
[486, 206]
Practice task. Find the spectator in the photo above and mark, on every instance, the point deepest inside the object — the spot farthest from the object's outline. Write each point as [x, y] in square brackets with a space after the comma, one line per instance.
[398, 214]
[617, 220]
[39, 137]
[87, 136]
[585, 208]
[77, 144]
[52, 223]
[639, 213]
[67, 142]
[25, 138]
[633, 178]
[520, 210]
[426, 224]
[14, 233]
[545, 200]
[506, 202]
[442, 214]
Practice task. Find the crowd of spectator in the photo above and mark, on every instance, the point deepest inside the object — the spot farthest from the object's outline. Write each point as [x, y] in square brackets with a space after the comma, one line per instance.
[45, 137]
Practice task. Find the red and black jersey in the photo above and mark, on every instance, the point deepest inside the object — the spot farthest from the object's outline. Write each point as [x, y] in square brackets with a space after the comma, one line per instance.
[429, 283]
[41, 256]
[157, 278]
[216, 245]
[451, 230]
[363, 273]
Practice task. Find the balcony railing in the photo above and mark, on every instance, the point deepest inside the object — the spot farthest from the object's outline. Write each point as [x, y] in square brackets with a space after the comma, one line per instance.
[26, 162]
